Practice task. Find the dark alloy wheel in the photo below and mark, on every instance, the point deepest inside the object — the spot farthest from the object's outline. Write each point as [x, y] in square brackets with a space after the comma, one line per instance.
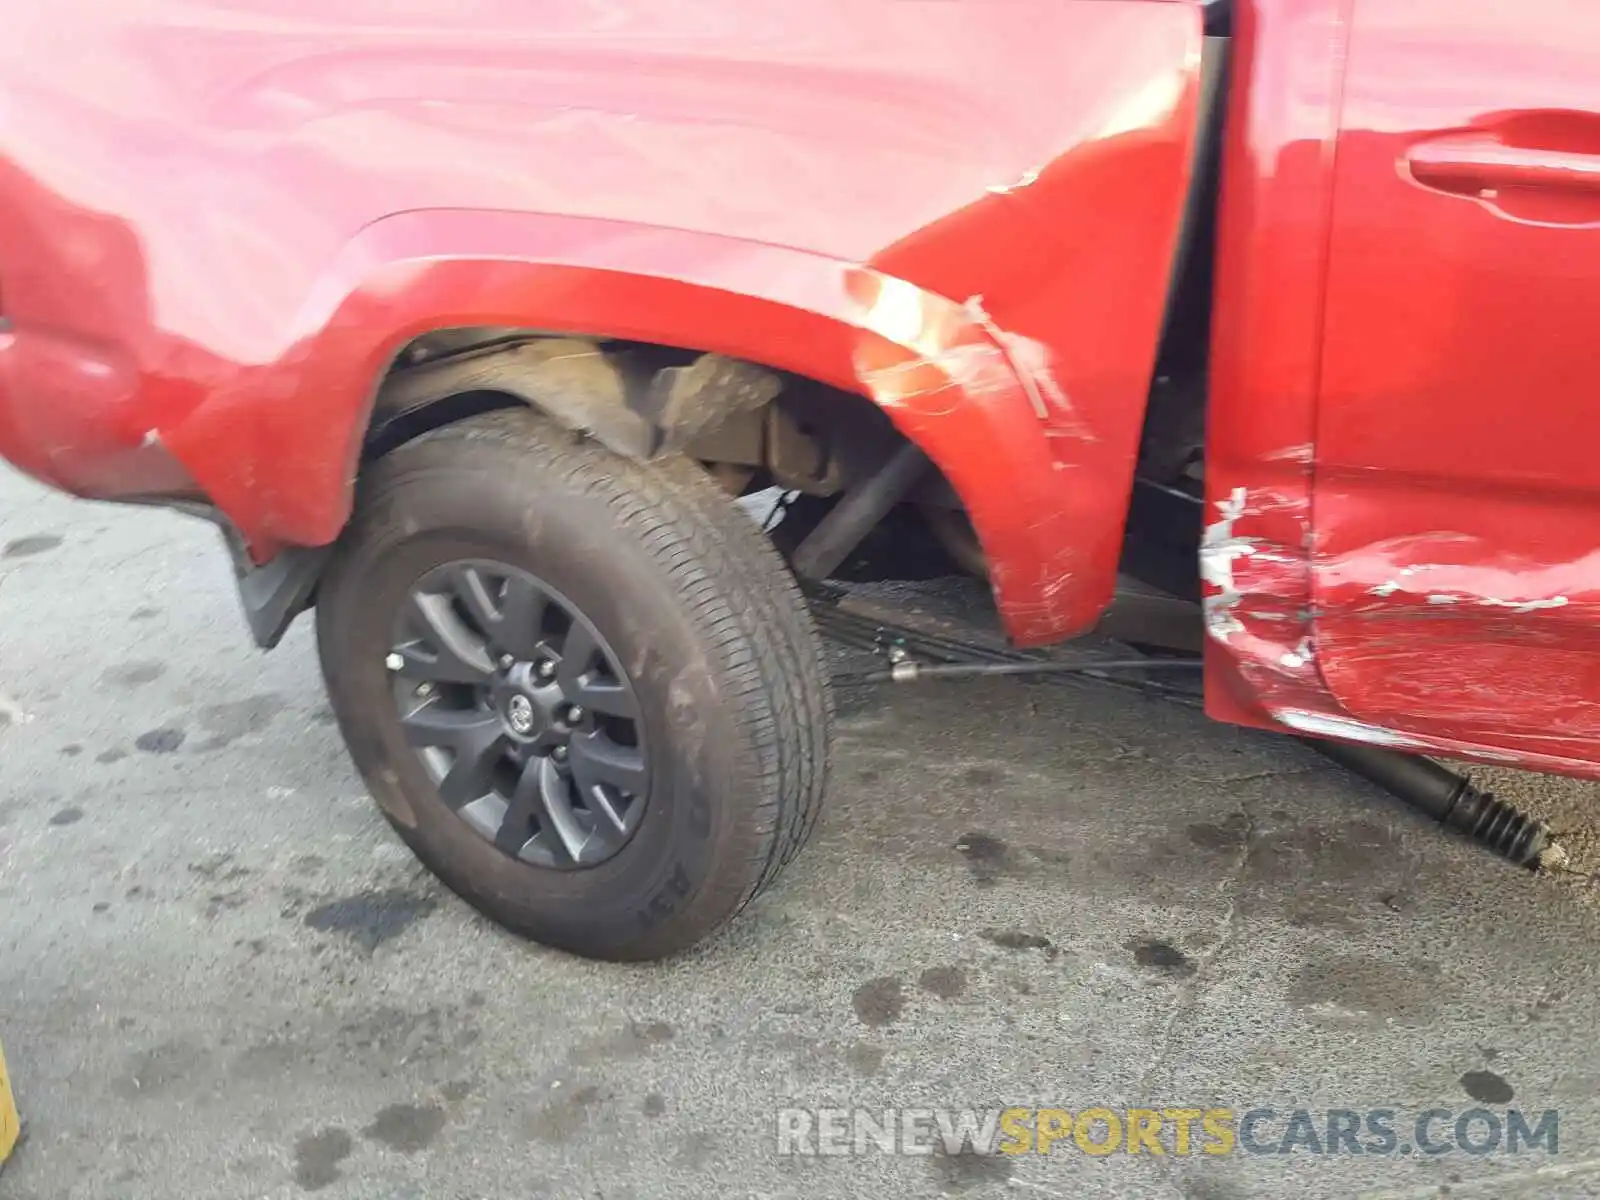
[520, 714]
[586, 691]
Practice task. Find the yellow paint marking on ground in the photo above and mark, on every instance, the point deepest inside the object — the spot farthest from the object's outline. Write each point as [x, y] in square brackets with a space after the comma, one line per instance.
[10, 1123]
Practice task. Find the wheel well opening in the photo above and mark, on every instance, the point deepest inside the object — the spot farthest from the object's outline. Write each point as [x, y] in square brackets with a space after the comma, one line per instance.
[787, 446]
[391, 432]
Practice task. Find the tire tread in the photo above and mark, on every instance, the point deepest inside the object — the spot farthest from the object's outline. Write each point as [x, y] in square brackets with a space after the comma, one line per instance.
[734, 589]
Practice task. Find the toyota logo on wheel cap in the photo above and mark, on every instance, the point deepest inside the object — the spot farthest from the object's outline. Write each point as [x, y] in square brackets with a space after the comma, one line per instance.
[520, 715]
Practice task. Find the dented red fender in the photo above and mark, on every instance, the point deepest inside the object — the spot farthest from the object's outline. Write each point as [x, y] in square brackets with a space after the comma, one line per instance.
[220, 222]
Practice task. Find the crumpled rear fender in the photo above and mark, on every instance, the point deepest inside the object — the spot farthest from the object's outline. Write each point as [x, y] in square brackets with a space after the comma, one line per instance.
[948, 377]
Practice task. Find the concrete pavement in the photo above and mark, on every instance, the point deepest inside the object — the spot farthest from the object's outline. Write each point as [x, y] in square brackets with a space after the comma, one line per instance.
[222, 976]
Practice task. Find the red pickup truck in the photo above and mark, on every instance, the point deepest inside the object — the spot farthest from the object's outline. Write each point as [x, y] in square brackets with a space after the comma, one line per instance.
[468, 329]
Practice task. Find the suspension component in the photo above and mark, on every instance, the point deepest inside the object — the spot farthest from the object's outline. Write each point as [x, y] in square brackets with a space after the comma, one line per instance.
[1448, 798]
[861, 508]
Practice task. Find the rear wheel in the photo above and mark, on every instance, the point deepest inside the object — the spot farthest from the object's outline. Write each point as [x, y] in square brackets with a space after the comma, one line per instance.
[585, 691]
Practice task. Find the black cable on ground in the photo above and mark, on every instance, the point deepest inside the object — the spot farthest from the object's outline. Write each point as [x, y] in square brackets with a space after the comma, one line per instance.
[908, 672]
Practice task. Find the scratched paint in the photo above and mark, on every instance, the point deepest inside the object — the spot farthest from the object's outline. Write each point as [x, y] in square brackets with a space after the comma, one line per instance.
[1388, 624]
[1027, 179]
[1034, 365]
[1519, 606]
[922, 357]
[1300, 656]
[1524, 606]
[1268, 591]
[932, 354]
[1296, 454]
[1319, 724]
[1459, 568]
[1219, 550]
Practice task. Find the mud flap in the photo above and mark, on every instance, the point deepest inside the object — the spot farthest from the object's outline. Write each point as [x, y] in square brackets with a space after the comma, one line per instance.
[275, 593]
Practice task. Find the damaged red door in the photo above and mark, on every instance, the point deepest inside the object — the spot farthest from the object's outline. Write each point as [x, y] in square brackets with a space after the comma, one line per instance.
[1456, 496]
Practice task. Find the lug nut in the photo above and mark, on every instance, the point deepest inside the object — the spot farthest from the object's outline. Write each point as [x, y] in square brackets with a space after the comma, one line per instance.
[574, 715]
[506, 662]
[395, 662]
[546, 669]
[559, 754]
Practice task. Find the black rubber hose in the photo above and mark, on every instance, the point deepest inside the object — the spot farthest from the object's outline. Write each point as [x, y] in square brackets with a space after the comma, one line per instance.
[1445, 796]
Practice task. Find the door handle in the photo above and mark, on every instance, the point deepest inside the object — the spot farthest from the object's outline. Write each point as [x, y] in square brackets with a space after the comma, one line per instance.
[1473, 163]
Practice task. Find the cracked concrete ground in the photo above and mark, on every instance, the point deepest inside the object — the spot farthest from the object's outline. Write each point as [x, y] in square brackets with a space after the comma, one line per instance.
[222, 976]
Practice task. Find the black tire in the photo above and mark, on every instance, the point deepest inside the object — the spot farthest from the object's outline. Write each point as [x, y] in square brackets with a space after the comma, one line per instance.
[707, 622]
